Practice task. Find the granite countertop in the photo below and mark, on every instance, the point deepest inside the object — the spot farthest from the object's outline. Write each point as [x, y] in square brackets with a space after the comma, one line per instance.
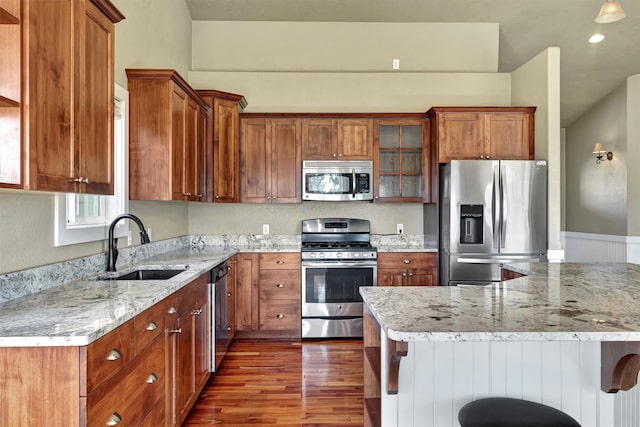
[79, 312]
[561, 302]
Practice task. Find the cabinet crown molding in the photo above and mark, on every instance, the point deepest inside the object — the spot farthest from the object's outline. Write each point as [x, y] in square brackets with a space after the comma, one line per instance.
[166, 74]
[109, 10]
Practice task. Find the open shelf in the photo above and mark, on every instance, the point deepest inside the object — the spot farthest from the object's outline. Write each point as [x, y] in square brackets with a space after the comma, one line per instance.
[7, 17]
[373, 357]
[6, 102]
[373, 413]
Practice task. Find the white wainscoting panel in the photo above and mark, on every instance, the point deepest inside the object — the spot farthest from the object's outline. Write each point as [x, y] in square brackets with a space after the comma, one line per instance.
[437, 379]
[589, 247]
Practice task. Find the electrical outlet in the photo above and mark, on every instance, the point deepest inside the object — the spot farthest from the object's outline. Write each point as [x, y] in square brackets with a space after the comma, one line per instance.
[395, 64]
[265, 228]
[400, 228]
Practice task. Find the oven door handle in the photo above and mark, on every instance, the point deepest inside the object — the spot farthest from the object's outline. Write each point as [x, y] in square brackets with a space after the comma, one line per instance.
[331, 264]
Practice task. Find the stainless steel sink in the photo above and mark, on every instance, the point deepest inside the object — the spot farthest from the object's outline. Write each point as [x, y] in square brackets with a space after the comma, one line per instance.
[144, 275]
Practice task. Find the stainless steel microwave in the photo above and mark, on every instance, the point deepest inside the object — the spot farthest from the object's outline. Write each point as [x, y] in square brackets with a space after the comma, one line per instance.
[337, 180]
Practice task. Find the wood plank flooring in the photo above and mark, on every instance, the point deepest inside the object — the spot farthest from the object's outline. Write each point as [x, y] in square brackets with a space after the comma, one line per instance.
[284, 383]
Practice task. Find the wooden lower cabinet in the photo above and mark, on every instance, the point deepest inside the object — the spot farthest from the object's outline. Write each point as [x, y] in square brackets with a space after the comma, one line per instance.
[189, 338]
[506, 274]
[407, 269]
[268, 295]
[143, 373]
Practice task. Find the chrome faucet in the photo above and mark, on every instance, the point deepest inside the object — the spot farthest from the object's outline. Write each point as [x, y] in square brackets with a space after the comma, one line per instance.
[112, 256]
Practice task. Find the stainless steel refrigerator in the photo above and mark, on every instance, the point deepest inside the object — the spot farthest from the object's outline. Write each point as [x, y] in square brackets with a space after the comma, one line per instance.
[491, 212]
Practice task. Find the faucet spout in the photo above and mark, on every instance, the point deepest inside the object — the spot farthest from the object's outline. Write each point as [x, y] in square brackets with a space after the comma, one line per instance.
[112, 255]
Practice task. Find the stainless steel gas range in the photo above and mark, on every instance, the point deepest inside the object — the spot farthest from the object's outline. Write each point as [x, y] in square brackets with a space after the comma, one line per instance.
[337, 258]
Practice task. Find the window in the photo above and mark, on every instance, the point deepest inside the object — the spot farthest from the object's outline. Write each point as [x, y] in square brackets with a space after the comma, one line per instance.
[83, 218]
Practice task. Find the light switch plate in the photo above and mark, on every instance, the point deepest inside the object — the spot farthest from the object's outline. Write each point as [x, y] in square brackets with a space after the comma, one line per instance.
[265, 228]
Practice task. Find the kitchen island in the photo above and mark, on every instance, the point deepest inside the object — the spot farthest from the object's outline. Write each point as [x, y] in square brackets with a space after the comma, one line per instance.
[553, 336]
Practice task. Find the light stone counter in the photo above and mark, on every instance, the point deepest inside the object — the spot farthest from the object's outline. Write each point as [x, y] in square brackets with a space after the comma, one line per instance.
[556, 302]
[79, 312]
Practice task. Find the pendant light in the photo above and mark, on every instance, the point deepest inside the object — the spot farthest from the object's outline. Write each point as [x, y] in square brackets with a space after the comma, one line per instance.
[611, 11]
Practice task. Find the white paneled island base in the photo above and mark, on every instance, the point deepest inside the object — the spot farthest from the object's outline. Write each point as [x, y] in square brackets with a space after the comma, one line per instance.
[539, 338]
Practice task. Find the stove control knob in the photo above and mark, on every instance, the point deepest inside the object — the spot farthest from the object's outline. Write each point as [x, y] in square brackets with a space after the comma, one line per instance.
[338, 254]
[357, 254]
[365, 254]
[321, 255]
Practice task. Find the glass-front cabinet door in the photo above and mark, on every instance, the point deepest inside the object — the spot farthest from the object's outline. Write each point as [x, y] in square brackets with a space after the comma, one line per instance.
[400, 161]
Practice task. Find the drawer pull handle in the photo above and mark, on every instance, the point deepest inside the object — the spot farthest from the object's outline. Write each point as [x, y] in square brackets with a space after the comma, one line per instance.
[280, 316]
[176, 331]
[197, 312]
[229, 328]
[407, 261]
[279, 261]
[410, 274]
[280, 285]
[152, 378]
[172, 310]
[114, 419]
[114, 354]
[152, 326]
[404, 274]
[229, 294]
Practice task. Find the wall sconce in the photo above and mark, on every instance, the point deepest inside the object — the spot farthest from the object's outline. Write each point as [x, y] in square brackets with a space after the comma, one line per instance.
[600, 152]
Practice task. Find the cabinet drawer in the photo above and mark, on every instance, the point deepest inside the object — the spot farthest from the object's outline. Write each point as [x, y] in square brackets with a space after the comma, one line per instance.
[280, 314]
[107, 355]
[156, 417]
[408, 260]
[280, 261]
[280, 284]
[149, 324]
[134, 393]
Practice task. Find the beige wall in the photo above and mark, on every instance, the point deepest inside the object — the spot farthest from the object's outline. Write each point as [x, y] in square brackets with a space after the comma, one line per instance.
[155, 34]
[597, 194]
[344, 46]
[223, 218]
[142, 40]
[538, 83]
[633, 156]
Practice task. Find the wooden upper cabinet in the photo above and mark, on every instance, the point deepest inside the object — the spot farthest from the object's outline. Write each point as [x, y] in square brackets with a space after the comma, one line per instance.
[494, 133]
[337, 139]
[270, 165]
[401, 160]
[67, 89]
[167, 137]
[222, 147]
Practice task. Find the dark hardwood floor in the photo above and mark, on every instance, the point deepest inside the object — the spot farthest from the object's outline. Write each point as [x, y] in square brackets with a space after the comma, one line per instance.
[284, 383]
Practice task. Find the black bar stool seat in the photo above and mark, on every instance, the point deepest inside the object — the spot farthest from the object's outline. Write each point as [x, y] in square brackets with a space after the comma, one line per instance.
[507, 412]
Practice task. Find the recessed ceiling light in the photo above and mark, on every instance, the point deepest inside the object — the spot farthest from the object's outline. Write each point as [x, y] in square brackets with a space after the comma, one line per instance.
[596, 38]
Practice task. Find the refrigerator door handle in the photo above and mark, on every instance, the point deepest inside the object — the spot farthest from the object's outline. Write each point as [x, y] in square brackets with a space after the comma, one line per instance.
[506, 260]
[495, 206]
[503, 209]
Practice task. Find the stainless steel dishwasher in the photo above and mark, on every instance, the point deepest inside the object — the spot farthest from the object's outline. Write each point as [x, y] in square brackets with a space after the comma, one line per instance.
[220, 337]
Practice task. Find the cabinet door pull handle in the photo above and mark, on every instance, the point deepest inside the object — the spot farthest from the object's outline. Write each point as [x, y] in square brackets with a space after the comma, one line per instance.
[152, 326]
[280, 285]
[176, 331]
[152, 378]
[200, 196]
[229, 294]
[279, 261]
[407, 261]
[280, 316]
[404, 274]
[228, 328]
[114, 354]
[488, 156]
[217, 197]
[197, 312]
[114, 419]
[410, 274]
[172, 310]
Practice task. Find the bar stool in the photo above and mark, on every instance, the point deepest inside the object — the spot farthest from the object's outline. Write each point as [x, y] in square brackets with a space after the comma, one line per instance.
[507, 412]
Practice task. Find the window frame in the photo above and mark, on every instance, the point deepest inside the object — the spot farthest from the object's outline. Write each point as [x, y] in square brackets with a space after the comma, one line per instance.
[114, 205]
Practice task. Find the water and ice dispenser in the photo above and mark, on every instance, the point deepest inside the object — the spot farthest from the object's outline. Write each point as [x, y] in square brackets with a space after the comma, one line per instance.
[471, 223]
